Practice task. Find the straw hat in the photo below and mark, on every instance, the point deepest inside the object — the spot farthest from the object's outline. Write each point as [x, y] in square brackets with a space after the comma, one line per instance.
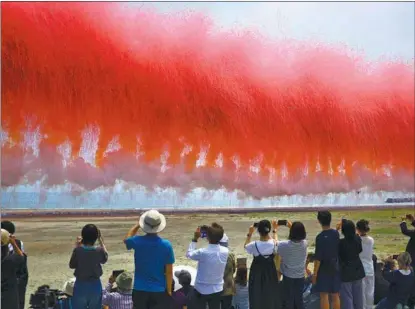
[152, 222]
[5, 237]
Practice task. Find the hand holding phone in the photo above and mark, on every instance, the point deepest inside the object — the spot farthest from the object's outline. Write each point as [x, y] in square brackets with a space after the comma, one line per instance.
[116, 273]
[282, 222]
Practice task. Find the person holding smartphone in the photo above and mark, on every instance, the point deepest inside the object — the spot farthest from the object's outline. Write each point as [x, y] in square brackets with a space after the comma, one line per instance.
[122, 298]
[263, 279]
[211, 264]
[87, 260]
[293, 253]
[410, 247]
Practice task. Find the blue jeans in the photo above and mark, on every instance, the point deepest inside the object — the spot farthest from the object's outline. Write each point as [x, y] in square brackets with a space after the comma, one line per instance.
[87, 295]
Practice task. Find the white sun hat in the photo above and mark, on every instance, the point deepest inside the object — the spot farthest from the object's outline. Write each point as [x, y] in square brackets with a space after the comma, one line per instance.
[68, 287]
[152, 222]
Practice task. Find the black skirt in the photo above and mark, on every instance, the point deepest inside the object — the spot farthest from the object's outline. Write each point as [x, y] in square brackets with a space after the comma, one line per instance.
[264, 290]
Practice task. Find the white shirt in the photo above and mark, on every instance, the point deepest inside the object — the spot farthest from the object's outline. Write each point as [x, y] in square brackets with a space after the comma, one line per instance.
[210, 268]
[366, 255]
[265, 247]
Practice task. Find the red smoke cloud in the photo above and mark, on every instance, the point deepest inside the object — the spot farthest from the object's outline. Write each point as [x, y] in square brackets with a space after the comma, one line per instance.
[172, 82]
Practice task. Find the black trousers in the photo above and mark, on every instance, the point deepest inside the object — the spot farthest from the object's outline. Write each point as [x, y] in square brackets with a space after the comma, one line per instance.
[21, 285]
[199, 301]
[151, 300]
[292, 290]
[226, 302]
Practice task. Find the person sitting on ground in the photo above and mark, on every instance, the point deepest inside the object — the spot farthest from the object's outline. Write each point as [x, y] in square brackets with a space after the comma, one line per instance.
[86, 260]
[65, 302]
[152, 280]
[368, 281]
[410, 247]
[177, 269]
[351, 267]
[326, 274]
[182, 295]
[210, 268]
[401, 283]
[293, 253]
[263, 279]
[229, 284]
[23, 272]
[381, 284]
[241, 297]
[10, 264]
[122, 298]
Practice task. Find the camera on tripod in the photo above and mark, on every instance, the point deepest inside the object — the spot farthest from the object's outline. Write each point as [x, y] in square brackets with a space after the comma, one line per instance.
[45, 298]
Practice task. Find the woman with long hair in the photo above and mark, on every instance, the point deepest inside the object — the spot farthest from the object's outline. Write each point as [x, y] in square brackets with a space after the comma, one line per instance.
[351, 267]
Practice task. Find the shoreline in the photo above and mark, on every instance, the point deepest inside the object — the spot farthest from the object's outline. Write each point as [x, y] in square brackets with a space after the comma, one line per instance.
[72, 213]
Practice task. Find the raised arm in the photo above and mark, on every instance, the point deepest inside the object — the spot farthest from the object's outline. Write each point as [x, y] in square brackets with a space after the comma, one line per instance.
[107, 296]
[404, 227]
[249, 235]
[16, 248]
[132, 232]
[192, 252]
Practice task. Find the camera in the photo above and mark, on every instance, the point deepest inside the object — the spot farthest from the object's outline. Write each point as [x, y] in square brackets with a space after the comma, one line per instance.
[45, 298]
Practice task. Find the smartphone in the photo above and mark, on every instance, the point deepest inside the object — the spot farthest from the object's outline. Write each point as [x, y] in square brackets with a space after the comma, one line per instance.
[203, 231]
[256, 225]
[116, 273]
[282, 222]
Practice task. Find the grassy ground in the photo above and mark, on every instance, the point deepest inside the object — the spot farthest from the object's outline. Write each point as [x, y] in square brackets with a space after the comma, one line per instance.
[49, 242]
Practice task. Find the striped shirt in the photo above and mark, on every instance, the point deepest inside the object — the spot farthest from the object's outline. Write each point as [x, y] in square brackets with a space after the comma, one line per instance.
[116, 300]
[293, 258]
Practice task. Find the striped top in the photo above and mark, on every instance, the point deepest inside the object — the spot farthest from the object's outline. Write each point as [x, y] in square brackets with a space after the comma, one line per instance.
[241, 297]
[293, 258]
[116, 300]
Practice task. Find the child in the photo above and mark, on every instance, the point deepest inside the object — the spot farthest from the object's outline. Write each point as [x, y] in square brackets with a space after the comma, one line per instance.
[401, 283]
[241, 298]
[86, 259]
[368, 282]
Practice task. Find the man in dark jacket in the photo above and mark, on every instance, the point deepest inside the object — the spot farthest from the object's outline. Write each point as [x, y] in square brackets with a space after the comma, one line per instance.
[410, 247]
[22, 272]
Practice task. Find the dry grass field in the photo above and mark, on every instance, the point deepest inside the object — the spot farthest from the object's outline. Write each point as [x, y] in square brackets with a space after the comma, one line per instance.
[49, 241]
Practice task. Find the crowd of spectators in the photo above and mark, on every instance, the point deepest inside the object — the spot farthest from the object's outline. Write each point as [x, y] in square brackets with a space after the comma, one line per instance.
[342, 271]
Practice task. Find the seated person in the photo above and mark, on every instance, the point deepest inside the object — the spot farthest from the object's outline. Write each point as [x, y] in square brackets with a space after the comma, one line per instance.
[122, 298]
[189, 269]
[401, 283]
[241, 298]
[381, 285]
[180, 297]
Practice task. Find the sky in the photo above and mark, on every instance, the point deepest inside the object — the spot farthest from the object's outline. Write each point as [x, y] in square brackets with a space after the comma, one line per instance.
[378, 29]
